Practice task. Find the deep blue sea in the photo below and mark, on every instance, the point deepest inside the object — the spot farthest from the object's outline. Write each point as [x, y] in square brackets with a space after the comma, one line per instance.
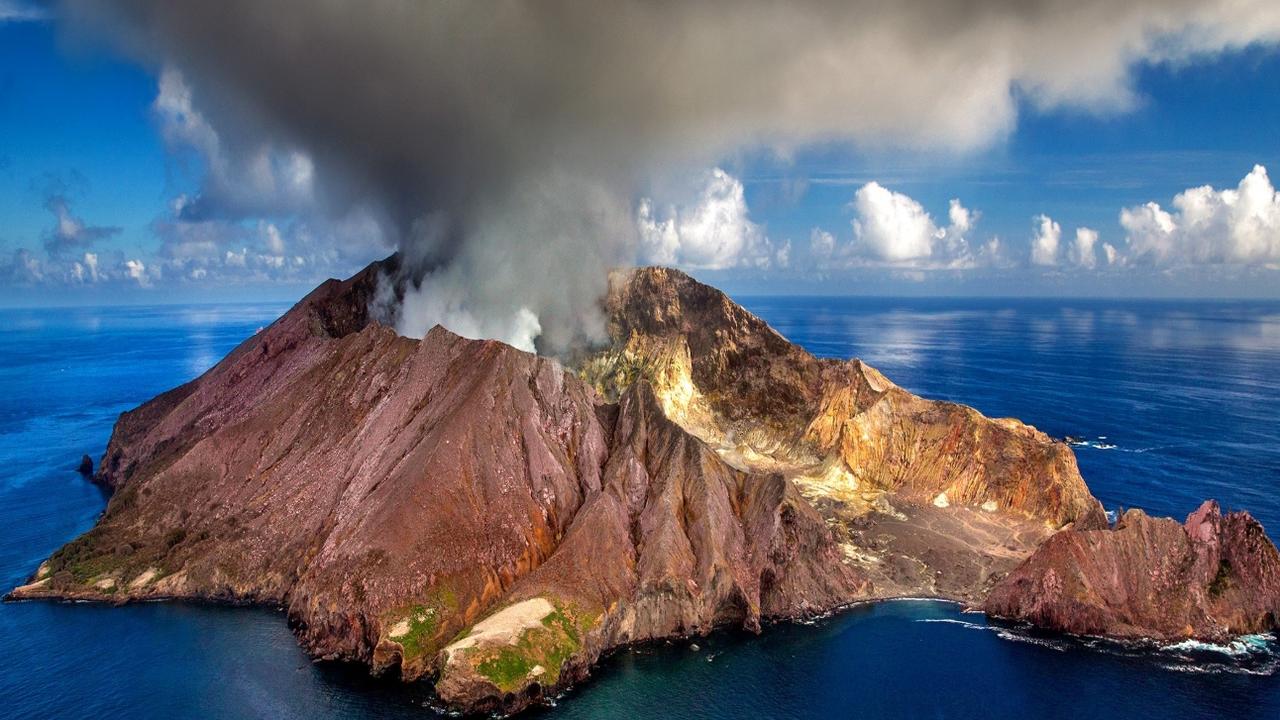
[1176, 402]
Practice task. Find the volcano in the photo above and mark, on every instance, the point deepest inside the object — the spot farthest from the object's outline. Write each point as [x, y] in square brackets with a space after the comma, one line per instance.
[492, 520]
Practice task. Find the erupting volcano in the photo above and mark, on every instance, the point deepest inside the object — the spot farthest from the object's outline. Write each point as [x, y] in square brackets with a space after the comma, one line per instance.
[469, 512]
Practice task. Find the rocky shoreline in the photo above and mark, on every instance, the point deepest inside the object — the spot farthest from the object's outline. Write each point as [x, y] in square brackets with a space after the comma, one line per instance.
[496, 521]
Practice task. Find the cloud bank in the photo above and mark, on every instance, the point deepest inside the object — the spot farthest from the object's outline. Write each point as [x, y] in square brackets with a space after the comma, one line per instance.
[1236, 226]
[1208, 226]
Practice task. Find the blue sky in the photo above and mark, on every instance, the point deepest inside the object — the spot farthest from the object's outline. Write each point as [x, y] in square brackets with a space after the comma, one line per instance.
[1201, 123]
[81, 124]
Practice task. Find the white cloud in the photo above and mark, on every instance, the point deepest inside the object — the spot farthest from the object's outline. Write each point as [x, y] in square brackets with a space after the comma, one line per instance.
[1238, 226]
[893, 228]
[1112, 255]
[302, 250]
[137, 270]
[822, 244]
[1084, 250]
[87, 269]
[715, 233]
[1044, 244]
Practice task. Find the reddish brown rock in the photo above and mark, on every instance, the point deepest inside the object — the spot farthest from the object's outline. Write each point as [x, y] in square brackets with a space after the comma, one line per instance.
[464, 510]
[1210, 578]
[396, 495]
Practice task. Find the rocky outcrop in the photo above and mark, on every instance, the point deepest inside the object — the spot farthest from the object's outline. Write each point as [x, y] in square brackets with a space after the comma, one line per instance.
[462, 510]
[1210, 578]
[838, 427]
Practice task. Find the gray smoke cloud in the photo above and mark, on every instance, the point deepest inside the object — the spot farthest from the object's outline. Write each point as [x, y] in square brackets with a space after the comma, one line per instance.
[503, 145]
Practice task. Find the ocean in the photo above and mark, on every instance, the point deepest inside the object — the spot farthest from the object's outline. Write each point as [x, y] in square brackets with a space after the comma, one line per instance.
[1168, 402]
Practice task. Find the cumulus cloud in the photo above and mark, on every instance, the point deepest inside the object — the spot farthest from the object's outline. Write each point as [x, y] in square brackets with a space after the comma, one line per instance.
[714, 233]
[891, 225]
[1044, 243]
[86, 270]
[822, 244]
[1112, 254]
[1208, 226]
[1084, 250]
[894, 228]
[299, 250]
[74, 250]
[138, 271]
[483, 138]
[25, 268]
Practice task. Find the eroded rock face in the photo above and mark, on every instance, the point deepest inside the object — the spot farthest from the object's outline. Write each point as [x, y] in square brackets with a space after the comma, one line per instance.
[838, 428]
[926, 498]
[675, 542]
[1212, 577]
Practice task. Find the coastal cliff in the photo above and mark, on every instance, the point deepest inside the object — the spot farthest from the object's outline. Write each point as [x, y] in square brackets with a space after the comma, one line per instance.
[1213, 577]
[494, 520]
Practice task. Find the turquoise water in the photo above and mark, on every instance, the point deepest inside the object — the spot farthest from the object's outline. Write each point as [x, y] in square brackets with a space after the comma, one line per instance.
[1176, 401]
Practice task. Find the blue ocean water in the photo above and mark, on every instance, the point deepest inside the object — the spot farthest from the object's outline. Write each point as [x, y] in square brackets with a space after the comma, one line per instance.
[1173, 402]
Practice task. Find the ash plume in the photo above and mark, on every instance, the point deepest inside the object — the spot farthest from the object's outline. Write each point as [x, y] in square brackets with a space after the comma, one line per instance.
[503, 146]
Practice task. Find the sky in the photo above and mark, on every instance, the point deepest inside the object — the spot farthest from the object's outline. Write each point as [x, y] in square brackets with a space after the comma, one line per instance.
[896, 161]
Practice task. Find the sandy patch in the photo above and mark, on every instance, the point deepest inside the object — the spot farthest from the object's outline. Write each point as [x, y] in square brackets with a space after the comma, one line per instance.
[105, 583]
[941, 501]
[990, 506]
[30, 587]
[506, 625]
[400, 629]
[143, 578]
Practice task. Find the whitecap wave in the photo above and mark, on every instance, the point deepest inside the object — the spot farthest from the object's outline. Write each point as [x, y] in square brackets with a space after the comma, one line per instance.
[1240, 647]
[953, 621]
[1099, 443]
[1246, 655]
[1002, 633]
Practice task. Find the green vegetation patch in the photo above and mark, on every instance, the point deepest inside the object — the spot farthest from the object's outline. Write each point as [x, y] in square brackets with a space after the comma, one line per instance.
[508, 668]
[424, 623]
[84, 558]
[550, 646]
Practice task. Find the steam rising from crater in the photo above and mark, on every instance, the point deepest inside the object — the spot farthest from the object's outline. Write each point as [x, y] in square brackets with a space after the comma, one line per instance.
[503, 146]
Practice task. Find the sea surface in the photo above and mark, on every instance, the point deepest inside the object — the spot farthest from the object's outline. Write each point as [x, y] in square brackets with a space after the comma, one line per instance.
[1170, 403]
